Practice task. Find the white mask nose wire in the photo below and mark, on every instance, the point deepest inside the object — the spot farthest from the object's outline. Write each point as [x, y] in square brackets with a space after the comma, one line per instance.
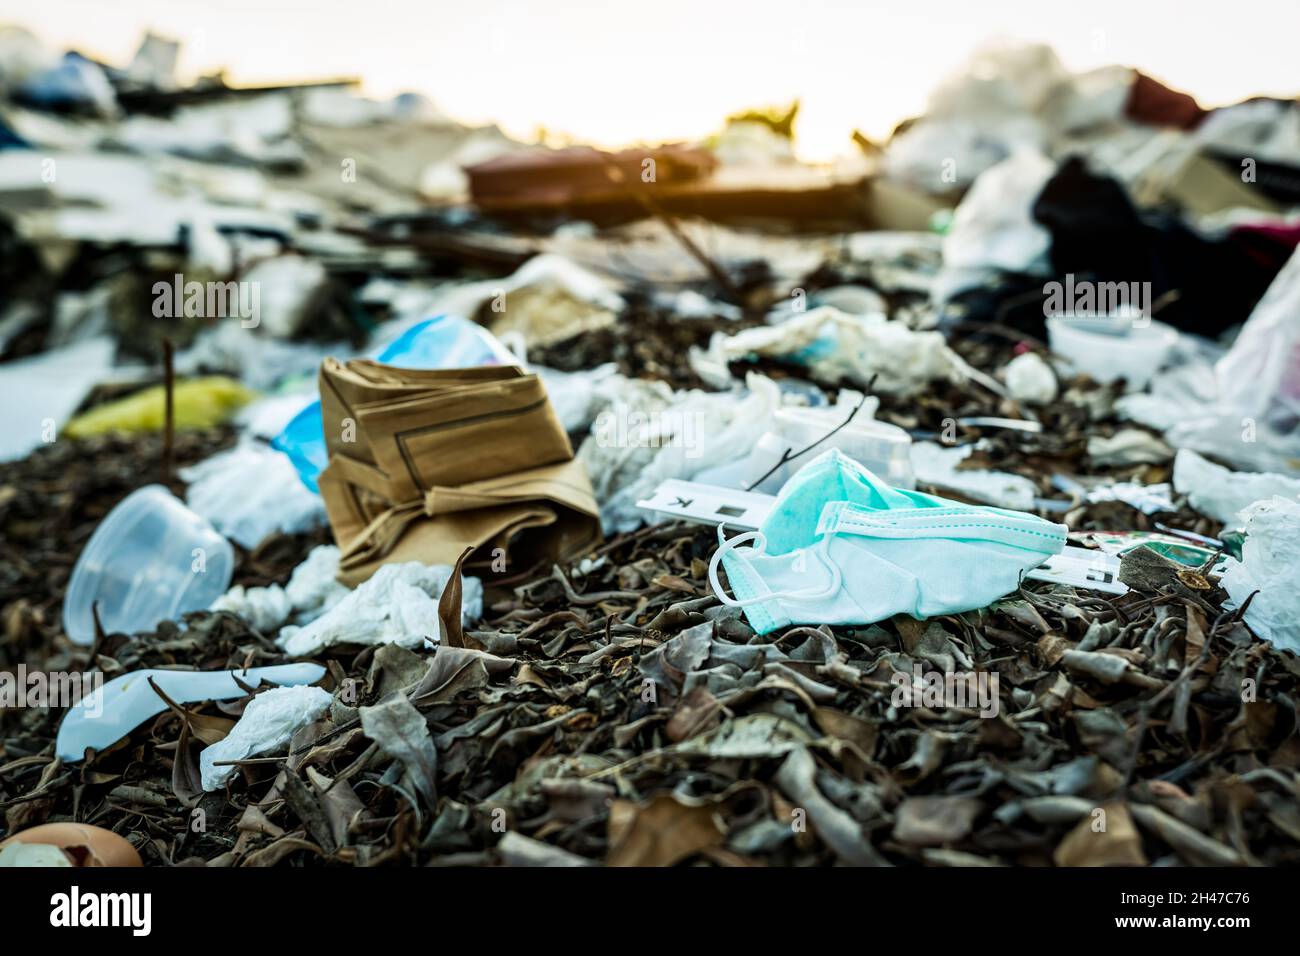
[818, 551]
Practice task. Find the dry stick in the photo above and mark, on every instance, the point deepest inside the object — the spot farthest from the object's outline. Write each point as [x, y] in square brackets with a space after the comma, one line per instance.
[716, 271]
[100, 636]
[787, 454]
[169, 411]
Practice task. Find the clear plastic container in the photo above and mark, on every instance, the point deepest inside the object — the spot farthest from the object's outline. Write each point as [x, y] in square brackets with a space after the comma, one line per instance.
[1109, 349]
[883, 448]
[151, 559]
[445, 341]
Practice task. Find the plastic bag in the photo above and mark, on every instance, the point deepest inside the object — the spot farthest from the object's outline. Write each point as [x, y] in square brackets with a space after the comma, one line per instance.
[1255, 420]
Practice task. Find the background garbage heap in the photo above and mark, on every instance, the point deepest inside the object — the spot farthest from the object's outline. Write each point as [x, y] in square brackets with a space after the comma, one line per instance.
[547, 746]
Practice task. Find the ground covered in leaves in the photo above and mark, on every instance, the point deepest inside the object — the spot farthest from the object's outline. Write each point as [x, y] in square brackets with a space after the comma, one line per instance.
[614, 712]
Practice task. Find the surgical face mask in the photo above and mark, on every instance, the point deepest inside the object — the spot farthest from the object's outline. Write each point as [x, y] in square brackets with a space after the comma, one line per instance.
[842, 547]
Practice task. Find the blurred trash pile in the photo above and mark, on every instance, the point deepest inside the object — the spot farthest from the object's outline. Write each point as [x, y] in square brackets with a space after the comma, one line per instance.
[647, 495]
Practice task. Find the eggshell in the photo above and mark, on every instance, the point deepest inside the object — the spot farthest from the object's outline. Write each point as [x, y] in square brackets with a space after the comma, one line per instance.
[33, 854]
[81, 843]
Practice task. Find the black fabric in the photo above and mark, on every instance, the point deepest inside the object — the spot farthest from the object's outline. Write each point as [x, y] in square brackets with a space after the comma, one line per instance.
[1098, 235]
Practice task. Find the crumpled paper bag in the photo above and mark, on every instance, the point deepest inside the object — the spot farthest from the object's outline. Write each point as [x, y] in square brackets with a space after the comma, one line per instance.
[424, 463]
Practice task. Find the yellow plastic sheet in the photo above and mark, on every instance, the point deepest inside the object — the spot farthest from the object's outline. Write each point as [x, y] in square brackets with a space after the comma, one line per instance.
[198, 403]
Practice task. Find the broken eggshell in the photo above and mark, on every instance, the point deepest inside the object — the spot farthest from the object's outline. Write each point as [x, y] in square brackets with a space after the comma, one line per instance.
[106, 715]
[67, 844]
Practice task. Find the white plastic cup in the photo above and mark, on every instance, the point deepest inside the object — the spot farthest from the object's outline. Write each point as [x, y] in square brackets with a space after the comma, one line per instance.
[1135, 355]
[151, 559]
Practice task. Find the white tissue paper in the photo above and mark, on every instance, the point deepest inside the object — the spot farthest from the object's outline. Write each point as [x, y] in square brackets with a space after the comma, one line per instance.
[312, 590]
[1030, 379]
[269, 720]
[398, 605]
[937, 465]
[649, 433]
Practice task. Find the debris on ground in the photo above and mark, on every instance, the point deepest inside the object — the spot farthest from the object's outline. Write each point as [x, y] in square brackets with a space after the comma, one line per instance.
[507, 505]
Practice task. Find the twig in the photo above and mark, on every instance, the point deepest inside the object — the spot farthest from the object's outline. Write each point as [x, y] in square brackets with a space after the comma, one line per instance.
[169, 411]
[787, 455]
[716, 271]
[595, 597]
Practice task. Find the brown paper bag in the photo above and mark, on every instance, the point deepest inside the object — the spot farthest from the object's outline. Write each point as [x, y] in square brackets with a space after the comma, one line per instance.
[425, 463]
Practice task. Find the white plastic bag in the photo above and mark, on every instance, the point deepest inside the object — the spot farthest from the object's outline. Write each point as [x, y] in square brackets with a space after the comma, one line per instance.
[1270, 564]
[1255, 420]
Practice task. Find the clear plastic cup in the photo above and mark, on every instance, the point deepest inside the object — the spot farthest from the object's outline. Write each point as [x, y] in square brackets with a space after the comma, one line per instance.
[151, 559]
[1109, 352]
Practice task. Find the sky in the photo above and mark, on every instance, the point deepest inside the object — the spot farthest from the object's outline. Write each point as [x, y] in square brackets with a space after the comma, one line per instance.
[615, 72]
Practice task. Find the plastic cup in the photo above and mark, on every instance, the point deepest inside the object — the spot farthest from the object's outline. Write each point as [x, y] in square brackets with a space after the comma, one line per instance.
[1135, 354]
[151, 559]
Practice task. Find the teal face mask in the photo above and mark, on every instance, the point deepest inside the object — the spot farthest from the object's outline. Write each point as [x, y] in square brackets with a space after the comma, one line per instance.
[842, 547]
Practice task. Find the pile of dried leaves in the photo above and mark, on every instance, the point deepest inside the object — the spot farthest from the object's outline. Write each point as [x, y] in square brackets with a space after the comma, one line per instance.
[614, 712]
[621, 715]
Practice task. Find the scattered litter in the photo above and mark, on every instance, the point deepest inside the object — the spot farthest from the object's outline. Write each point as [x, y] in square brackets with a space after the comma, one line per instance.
[67, 844]
[1250, 420]
[398, 604]
[198, 403]
[50, 387]
[991, 421]
[1113, 348]
[1221, 493]
[993, 229]
[1030, 379]
[1128, 446]
[799, 431]
[250, 492]
[832, 345]
[549, 299]
[268, 721]
[649, 433]
[1189, 551]
[150, 560]
[1269, 569]
[434, 316]
[108, 714]
[1148, 499]
[939, 466]
[312, 590]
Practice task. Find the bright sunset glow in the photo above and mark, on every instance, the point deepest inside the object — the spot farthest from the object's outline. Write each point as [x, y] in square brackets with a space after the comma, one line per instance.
[617, 71]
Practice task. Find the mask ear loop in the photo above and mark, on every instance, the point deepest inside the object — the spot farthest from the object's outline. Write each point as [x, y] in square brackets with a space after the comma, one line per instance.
[724, 545]
[819, 551]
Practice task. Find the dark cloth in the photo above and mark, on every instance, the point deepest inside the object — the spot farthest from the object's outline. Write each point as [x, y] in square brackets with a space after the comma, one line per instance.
[1099, 235]
[1151, 102]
